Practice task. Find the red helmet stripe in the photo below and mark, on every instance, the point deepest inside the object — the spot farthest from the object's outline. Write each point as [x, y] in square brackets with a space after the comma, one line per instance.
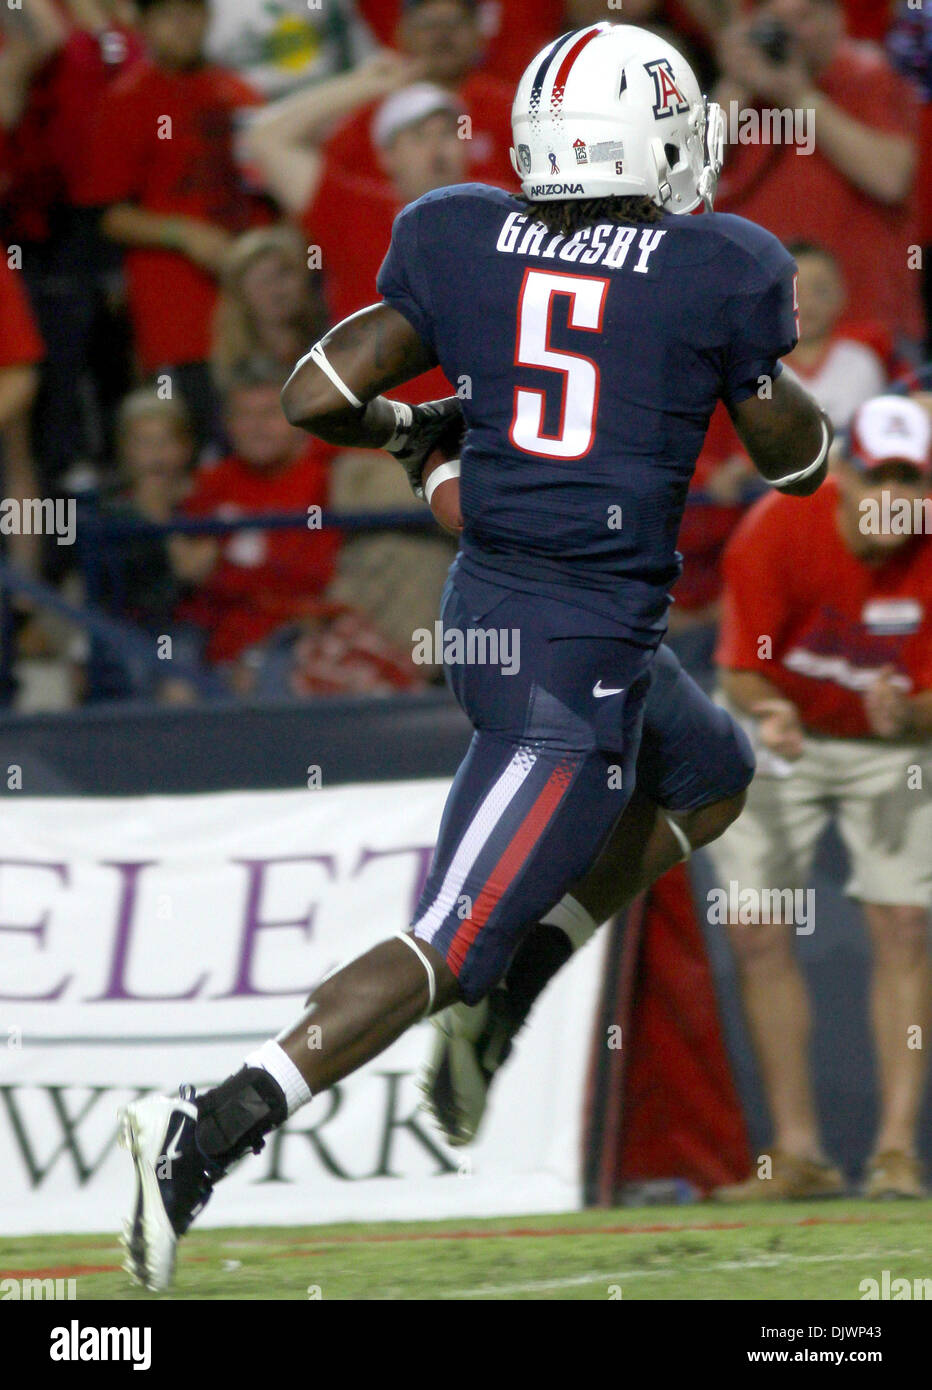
[563, 72]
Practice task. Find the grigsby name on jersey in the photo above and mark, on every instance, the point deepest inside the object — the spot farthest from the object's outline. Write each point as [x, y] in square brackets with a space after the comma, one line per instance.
[602, 244]
[589, 366]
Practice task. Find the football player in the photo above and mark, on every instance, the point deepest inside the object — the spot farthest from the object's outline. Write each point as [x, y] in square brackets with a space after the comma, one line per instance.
[595, 325]
[693, 768]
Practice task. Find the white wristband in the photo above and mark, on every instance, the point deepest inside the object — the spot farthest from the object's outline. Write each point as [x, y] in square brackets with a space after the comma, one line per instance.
[443, 474]
[572, 919]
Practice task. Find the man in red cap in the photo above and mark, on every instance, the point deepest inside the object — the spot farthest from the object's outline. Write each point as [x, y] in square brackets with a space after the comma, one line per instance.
[825, 652]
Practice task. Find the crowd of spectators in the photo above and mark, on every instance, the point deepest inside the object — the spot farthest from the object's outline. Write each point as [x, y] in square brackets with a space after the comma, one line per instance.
[192, 190]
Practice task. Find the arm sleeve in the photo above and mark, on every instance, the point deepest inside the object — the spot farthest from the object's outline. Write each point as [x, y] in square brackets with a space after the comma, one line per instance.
[763, 325]
[403, 281]
[756, 594]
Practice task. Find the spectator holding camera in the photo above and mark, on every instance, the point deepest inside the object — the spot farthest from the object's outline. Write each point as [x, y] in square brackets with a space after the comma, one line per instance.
[415, 133]
[825, 653]
[853, 192]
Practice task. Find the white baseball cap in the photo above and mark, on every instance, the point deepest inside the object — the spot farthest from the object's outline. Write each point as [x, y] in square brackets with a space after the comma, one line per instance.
[406, 107]
[890, 429]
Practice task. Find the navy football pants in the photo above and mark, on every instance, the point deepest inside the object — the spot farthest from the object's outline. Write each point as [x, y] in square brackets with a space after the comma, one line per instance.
[549, 771]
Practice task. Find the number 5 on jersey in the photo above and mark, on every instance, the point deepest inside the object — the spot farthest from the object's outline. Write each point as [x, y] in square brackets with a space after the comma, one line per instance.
[579, 400]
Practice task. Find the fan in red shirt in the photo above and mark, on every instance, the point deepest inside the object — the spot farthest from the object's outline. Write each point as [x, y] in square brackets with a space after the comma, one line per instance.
[261, 579]
[162, 161]
[348, 217]
[442, 41]
[87, 66]
[28, 181]
[847, 182]
[826, 648]
[844, 591]
[68, 66]
[53, 72]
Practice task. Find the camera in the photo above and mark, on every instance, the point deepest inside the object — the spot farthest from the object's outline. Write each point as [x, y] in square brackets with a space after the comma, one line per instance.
[772, 38]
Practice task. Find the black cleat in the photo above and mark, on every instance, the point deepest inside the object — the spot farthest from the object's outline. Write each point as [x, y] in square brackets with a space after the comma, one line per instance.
[174, 1181]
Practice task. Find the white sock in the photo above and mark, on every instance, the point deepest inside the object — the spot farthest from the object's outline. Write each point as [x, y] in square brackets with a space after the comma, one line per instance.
[275, 1060]
[573, 919]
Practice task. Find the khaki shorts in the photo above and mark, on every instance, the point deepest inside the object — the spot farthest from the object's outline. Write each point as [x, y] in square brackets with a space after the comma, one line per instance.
[880, 796]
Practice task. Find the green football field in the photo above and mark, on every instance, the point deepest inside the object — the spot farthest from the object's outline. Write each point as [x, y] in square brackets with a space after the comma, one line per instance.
[755, 1251]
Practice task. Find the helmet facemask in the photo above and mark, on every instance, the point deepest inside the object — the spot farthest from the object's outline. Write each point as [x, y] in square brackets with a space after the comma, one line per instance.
[713, 148]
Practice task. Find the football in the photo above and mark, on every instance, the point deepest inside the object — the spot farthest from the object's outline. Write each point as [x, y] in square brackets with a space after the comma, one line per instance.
[440, 479]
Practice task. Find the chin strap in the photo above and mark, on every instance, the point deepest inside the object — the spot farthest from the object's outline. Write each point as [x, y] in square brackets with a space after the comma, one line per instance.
[662, 169]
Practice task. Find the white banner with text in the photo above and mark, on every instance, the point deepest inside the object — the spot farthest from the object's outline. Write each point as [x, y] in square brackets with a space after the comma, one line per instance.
[149, 941]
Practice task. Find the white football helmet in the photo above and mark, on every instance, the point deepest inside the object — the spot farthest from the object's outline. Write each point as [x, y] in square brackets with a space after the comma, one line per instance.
[610, 110]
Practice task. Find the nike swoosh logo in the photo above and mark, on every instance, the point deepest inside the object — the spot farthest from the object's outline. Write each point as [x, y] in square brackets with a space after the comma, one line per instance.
[172, 1151]
[600, 694]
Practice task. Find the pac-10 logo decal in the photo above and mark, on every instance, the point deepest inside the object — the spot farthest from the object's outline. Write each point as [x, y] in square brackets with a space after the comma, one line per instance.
[668, 99]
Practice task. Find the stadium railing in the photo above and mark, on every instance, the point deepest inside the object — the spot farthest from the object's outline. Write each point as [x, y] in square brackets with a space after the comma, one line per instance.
[99, 537]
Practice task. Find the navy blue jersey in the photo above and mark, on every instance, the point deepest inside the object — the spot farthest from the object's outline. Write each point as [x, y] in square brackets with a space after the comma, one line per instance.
[589, 368]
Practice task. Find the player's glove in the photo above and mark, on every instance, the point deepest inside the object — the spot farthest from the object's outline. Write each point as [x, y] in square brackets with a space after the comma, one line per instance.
[420, 429]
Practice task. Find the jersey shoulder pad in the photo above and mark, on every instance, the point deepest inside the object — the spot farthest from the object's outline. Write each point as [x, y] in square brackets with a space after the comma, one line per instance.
[460, 200]
[749, 242]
